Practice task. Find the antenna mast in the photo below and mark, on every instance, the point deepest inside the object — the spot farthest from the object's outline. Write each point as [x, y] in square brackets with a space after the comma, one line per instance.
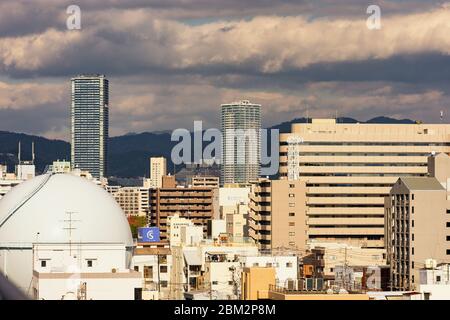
[19, 152]
[32, 152]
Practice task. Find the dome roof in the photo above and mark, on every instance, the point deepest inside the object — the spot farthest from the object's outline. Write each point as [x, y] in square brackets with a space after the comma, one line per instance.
[52, 203]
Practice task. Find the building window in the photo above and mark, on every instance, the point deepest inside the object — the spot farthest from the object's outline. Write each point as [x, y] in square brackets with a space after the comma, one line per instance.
[268, 264]
[291, 214]
[448, 252]
[89, 263]
[148, 272]
[288, 264]
[438, 278]
[43, 263]
[292, 186]
[412, 265]
[448, 224]
[255, 264]
[163, 269]
[291, 204]
[291, 234]
[448, 238]
[292, 244]
[215, 282]
[136, 268]
[412, 196]
[291, 195]
[412, 237]
[291, 224]
[412, 251]
[164, 283]
[412, 209]
[412, 223]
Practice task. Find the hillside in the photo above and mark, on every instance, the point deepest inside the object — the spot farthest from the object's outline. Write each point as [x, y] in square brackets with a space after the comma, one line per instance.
[129, 154]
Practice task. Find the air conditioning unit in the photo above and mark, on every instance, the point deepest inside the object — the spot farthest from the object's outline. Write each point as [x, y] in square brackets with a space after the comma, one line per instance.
[291, 284]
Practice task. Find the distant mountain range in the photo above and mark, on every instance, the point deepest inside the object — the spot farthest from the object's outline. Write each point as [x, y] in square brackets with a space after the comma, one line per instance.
[128, 154]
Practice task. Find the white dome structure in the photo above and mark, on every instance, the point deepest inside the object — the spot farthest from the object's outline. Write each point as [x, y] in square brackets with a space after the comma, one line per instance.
[56, 208]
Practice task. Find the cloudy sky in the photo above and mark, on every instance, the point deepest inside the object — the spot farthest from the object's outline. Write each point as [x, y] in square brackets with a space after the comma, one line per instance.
[171, 62]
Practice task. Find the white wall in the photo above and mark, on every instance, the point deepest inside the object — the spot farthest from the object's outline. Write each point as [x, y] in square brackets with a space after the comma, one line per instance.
[109, 288]
[286, 267]
[436, 291]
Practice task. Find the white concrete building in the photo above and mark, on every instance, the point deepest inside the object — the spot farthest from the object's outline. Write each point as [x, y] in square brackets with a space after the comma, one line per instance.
[230, 196]
[286, 267]
[435, 281]
[233, 207]
[83, 271]
[155, 266]
[215, 266]
[59, 166]
[216, 227]
[343, 254]
[57, 223]
[183, 231]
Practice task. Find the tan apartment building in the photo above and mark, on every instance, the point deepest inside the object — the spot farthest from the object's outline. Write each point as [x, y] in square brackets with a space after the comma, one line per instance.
[158, 169]
[194, 203]
[134, 201]
[276, 218]
[418, 223]
[203, 181]
[350, 168]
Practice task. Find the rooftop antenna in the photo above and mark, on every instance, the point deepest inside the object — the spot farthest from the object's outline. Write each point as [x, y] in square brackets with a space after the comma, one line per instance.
[70, 227]
[442, 115]
[32, 152]
[19, 152]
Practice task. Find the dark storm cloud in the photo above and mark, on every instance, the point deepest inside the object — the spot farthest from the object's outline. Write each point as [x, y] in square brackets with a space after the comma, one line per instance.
[171, 62]
[20, 17]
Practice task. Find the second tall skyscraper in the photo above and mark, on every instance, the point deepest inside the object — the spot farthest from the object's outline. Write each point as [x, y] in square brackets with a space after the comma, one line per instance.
[90, 124]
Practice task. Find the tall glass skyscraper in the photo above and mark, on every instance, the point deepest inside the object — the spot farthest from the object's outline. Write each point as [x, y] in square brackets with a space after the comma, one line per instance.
[241, 144]
[90, 124]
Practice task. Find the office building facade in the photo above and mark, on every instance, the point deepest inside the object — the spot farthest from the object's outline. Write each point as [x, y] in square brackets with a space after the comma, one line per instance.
[350, 168]
[90, 124]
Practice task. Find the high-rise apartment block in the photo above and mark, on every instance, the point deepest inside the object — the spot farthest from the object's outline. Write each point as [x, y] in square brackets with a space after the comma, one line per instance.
[193, 203]
[158, 169]
[241, 142]
[350, 168]
[132, 200]
[89, 124]
[418, 223]
[277, 214]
